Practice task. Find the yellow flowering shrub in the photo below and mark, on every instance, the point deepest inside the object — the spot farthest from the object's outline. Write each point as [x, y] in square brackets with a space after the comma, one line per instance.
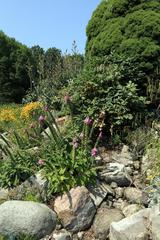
[7, 115]
[30, 109]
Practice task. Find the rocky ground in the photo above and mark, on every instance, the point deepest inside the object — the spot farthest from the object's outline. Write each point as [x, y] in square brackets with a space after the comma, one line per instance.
[116, 208]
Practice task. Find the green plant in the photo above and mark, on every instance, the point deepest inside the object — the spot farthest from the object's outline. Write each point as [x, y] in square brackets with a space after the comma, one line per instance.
[101, 87]
[65, 157]
[68, 161]
[16, 167]
[153, 150]
[128, 33]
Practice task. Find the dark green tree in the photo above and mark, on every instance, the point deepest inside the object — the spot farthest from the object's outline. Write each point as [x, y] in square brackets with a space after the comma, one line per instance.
[129, 32]
[14, 77]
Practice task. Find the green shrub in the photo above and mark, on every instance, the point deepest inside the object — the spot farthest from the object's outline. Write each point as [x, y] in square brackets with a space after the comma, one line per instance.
[130, 29]
[101, 88]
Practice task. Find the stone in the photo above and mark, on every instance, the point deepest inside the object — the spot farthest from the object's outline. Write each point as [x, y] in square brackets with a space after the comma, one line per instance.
[75, 209]
[154, 222]
[136, 165]
[99, 160]
[119, 192]
[40, 181]
[36, 185]
[129, 170]
[131, 228]
[131, 209]
[116, 172]
[143, 225]
[120, 204]
[80, 235]
[99, 192]
[102, 221]
[29, 218]
[113, 185]
[125, 157]
[133, 195]
[62, 235]
[136, 172]
[4, 194]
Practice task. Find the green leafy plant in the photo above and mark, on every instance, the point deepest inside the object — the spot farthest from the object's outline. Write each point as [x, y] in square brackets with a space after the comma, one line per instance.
[16, 167]
[101, 87]
[129, 29]
[69, 161]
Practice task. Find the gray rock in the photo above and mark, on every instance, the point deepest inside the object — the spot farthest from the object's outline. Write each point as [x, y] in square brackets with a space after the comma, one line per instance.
[143, 225]
[102, 221]
[131, 228]
[116, 172]
[40, 181]
[154, 222]
[114, 185]
[4, 193]
[99, 192]
[30, 218]
[131, 209]
[75, 209]
[133, 195]
[119, 192]
[136, 165]
[36, 185]
[80, 235]
[123, 157]
[120, 204]
[62, 235]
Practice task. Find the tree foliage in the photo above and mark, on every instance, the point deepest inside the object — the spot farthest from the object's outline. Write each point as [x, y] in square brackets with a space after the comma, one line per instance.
[14, 78]
[130, 29]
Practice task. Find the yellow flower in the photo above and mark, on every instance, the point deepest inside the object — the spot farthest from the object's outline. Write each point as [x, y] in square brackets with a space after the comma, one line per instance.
[28, 109]
[7, 115]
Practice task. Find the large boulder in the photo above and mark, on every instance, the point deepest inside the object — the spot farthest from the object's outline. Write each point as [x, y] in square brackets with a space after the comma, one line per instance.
[154, 222]
[102, 221]
[116, 172]
[143, 225]
[29, 218]
[133, 227]
[75, 209]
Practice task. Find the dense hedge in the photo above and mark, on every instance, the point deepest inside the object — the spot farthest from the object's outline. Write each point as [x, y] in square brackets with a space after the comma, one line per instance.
[131, 30]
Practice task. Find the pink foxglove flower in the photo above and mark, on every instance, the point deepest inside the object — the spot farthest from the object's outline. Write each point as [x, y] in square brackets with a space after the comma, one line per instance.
[41, 162]
[41, 119]
[94, 152]
[88, 121]
[75, 143]
[46, 108]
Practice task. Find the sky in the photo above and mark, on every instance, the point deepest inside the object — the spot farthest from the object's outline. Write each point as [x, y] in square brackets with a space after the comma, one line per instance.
[48, 23]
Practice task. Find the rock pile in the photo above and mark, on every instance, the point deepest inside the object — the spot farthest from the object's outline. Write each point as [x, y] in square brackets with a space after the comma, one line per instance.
[115, 208]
